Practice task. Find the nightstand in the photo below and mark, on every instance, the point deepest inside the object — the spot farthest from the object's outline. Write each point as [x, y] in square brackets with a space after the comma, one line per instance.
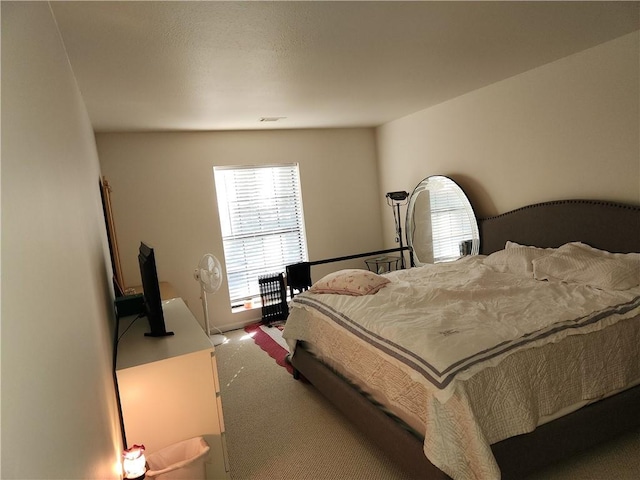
[382, 264]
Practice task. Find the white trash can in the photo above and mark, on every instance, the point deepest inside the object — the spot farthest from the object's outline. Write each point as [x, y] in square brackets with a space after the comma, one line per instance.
[181, 461]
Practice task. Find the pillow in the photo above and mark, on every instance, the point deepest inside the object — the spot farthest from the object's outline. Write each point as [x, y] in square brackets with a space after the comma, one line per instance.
[516, 259]
[350, 282]
[511, 244]
[580, 263]
[631, 259]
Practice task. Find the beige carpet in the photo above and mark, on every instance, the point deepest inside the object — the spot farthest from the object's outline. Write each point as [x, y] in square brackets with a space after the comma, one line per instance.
[279, 428]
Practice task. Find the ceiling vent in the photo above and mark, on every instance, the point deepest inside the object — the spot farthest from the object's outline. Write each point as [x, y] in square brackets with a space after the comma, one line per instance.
[271, 119]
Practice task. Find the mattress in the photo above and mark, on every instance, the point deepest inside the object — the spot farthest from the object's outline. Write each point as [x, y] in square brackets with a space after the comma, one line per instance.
[507, 393]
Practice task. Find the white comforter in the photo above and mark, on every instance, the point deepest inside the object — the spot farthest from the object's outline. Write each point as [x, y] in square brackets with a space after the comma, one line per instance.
[443, 324]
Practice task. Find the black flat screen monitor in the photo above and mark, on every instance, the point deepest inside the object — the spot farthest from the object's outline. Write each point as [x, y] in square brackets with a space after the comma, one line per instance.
[151, 288]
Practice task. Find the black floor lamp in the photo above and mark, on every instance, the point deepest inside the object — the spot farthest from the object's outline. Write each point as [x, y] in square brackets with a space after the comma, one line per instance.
[396, 199]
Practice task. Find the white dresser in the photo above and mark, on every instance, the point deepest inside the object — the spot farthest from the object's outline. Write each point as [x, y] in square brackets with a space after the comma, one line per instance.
[169, 389]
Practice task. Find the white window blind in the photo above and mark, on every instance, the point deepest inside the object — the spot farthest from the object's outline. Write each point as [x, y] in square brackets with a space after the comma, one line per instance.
[450, 225]
[262, 224]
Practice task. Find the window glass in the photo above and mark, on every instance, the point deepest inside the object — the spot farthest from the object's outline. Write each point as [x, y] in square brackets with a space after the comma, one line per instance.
[262, 224]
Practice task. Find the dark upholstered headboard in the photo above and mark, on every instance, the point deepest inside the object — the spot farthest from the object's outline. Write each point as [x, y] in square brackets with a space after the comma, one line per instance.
[605, 225]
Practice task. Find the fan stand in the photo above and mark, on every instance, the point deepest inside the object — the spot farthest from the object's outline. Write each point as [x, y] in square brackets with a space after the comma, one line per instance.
[216, 339]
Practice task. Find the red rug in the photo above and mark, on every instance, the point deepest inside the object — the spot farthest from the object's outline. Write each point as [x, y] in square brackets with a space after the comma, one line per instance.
[269, 345]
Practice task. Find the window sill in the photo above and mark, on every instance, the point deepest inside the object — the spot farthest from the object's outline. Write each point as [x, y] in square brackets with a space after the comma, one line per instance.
[244, 308]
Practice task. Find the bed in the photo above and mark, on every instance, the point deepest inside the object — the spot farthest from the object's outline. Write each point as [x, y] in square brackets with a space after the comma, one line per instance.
[480, 452]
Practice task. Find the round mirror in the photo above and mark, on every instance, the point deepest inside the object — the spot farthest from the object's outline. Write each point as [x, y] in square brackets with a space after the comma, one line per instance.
[440, 225]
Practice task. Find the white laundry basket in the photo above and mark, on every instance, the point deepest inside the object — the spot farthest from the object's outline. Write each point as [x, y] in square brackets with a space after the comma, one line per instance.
[181, 461]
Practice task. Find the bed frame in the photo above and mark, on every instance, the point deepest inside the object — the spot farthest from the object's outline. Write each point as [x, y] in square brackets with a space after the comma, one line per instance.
[606, 225]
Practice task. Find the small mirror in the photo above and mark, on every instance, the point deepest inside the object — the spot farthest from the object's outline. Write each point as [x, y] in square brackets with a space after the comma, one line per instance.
[440, 225]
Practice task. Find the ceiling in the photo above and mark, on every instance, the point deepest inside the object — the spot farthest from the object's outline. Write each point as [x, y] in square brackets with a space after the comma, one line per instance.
[151, 65]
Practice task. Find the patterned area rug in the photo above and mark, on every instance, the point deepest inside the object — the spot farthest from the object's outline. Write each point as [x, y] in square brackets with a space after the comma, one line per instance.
[270, 340]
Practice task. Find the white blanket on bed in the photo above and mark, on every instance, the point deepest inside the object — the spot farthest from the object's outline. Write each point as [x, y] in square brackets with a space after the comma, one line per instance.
[443, 324]
[450, 320]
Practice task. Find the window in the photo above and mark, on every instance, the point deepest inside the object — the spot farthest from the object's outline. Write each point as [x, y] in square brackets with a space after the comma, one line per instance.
[262, 224]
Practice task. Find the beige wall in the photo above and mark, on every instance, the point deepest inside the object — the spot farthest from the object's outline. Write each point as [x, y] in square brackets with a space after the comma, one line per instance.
[59, 414]
[163, 194]
[569, 129]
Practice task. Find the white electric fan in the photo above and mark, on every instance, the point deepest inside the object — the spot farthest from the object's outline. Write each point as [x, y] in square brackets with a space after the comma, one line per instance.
[209, 275]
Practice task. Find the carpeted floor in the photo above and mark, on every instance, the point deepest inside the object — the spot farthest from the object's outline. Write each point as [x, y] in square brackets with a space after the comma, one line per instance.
[282, 429]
